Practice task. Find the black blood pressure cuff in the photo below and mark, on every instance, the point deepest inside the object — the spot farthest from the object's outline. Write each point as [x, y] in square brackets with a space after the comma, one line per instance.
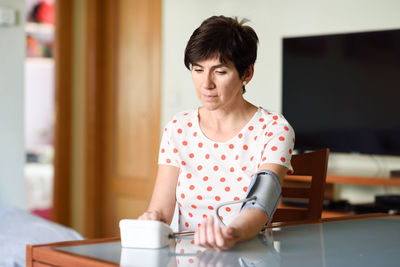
[265, 192]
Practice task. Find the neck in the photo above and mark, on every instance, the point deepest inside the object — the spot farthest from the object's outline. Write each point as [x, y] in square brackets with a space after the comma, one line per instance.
[235, 111]
[223, 124]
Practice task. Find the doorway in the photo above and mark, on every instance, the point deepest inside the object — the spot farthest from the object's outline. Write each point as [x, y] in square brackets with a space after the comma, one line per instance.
[39, 106]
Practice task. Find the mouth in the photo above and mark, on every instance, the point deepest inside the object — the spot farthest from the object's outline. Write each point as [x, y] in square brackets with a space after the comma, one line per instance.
[210, 97]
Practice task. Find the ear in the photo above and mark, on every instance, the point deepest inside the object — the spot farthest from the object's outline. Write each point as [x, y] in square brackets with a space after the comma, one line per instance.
[248, 74]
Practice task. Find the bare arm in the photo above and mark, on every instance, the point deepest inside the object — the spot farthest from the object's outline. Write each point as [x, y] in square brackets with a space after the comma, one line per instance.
[246, 225]
[250, 221]
[162, 202]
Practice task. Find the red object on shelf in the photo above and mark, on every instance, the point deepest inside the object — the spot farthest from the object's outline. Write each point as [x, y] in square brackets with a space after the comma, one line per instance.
[45, 13]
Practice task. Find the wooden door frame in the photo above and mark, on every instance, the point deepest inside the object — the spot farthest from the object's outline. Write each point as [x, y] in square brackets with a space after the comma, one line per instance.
[99, 67]
[63, 52]
[95, 69]
[99, 26]
[101, 84]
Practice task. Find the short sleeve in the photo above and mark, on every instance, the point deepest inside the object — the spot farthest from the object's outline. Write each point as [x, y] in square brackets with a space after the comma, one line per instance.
[279, 143]
[167, 154]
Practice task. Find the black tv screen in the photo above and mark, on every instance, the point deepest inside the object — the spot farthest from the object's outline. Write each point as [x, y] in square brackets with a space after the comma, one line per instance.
[342, 91]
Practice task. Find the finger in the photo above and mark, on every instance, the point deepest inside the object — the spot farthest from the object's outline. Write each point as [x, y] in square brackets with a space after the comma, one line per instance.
[203, 234]
[147, 216]
[210, 232]
[150, 215]
[144, 216]
[154, 216]
[219, 238]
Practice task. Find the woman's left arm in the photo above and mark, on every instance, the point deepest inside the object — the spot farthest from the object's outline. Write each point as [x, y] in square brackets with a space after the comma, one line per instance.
[246, 225]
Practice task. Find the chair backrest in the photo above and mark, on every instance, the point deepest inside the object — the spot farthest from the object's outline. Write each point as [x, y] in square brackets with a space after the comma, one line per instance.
[311, 166]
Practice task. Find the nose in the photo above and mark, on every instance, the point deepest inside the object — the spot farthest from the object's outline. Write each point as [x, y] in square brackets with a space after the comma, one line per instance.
[208, 81]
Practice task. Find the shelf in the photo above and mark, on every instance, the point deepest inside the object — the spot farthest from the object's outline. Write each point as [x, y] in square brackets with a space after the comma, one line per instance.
[352, 180]
[39, 28]
[361, 180]
[39, 60]
[44, 60]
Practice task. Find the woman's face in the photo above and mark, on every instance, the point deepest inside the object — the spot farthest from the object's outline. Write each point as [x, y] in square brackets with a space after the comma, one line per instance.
[218, 85]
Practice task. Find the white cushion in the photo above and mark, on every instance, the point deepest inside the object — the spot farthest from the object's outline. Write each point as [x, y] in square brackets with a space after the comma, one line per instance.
[19, 228]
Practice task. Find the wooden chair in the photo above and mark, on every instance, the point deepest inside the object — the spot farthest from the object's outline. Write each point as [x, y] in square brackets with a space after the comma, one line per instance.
[312, 167]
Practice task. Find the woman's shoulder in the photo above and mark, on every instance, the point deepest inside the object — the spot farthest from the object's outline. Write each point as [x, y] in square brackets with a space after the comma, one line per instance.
[269, 115]
[183, 117]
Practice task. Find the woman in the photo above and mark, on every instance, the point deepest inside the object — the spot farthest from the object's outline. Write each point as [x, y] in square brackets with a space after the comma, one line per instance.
[208, 155]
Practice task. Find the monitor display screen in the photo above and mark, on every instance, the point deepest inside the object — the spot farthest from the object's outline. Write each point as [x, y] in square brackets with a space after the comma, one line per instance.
[342, 91]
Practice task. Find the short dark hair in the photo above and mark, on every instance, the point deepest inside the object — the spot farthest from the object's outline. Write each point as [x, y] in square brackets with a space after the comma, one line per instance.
[226, 38]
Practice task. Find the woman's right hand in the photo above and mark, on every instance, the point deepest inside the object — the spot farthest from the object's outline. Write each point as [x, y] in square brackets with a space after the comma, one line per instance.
[151, 215]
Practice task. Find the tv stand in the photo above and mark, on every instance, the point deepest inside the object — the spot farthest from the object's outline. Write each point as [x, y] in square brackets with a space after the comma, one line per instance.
[395, 173]
[332, 179]
[361, 180]
[353, 180]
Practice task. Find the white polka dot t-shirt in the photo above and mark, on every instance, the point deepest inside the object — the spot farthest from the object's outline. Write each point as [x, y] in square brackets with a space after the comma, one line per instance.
[214, 172]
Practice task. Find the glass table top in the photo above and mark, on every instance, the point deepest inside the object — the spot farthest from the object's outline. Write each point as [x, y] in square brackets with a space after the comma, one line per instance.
[363, 242]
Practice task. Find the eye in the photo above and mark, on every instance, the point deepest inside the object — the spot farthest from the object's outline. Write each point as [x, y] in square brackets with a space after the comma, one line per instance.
[220, 72]
[197, 70]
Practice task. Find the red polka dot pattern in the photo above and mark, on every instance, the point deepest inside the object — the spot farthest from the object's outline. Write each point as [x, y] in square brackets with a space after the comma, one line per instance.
[215, 172]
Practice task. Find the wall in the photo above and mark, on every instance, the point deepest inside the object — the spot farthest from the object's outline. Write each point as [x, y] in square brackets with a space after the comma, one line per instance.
[272, 20]
[12, 52]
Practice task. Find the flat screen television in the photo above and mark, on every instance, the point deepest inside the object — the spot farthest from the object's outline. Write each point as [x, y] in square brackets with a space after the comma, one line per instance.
[342, 91]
